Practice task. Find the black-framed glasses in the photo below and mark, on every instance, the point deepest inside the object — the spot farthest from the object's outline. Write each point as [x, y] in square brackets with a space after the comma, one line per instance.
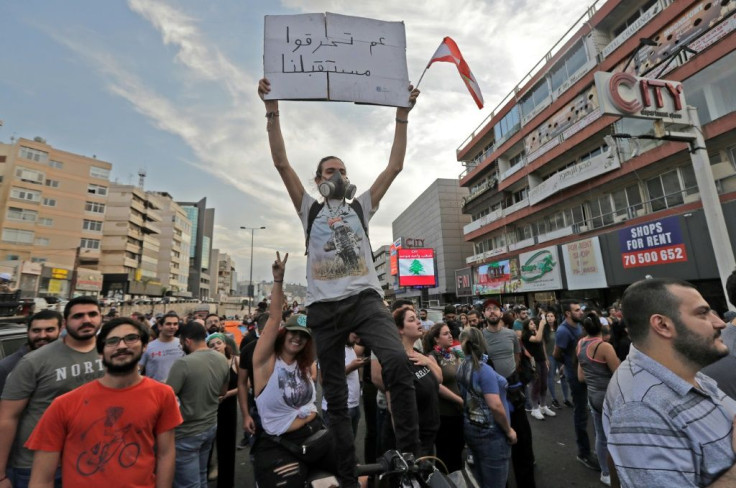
[129, 340]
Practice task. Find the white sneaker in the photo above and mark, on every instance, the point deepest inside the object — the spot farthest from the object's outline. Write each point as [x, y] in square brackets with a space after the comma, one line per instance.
[537, 414]
[606, 479]
[547, 411]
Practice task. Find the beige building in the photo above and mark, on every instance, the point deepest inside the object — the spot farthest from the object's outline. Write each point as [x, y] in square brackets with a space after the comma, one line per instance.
[130, 243]
[174, 243]
[226, 284]
[52, 206]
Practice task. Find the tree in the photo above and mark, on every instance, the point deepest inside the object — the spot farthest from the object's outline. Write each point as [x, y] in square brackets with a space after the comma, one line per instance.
[416, 268]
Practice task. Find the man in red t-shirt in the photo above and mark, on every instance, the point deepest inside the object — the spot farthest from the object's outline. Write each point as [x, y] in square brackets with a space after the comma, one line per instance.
[115, 431]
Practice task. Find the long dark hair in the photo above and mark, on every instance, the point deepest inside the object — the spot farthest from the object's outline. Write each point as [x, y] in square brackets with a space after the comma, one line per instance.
[432, 335]
[304, 358]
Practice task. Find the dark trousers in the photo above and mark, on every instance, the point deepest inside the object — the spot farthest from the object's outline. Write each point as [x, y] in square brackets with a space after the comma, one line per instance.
[522, 453]
[580, 413]
[450, 442]
[371, 421]
[364, 314]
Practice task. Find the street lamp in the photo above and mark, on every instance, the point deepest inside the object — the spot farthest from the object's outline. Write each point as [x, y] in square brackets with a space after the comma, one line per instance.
[250, 280]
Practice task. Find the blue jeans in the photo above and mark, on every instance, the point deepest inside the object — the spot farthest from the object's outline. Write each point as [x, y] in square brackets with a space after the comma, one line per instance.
[601, 443]
[580, 413]
[553, 367]
[491, 454]
[192, 454]
[21, 477]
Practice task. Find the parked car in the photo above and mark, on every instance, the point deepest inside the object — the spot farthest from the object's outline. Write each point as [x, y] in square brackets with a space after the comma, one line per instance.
[12, 336]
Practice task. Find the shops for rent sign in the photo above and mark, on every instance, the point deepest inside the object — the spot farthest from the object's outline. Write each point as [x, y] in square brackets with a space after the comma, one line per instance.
[653, 243]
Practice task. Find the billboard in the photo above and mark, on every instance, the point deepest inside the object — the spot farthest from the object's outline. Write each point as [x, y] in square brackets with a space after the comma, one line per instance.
[652, 243]
[463, 279]
[540, 270]
[497, 277]
[584, 264]
[416, 267]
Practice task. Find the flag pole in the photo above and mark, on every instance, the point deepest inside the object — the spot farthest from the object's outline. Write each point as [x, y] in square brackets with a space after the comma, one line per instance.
[420, 78]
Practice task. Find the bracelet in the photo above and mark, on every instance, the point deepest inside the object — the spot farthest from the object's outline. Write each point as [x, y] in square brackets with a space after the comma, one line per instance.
[270, 115]
[401, 121]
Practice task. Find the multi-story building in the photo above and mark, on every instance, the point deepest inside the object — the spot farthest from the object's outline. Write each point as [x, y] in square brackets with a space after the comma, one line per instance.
[53, 205]
[203, 222]
[381, 262]
[226, 287]
[130, 243]
[434, 220]
[174, 244]
[549, 191]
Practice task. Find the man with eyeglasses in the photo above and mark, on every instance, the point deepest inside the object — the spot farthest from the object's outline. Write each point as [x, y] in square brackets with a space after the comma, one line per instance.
[115, 431]
[39, 378]
[162, 353]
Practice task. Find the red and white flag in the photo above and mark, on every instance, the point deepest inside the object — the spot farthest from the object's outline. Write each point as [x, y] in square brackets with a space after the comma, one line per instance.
[450, 53]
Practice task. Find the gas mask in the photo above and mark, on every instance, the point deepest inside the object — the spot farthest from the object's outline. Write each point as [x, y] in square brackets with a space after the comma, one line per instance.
[337, 187]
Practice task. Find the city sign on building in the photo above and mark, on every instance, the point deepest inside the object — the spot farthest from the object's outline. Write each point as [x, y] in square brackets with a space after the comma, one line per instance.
[646, 98]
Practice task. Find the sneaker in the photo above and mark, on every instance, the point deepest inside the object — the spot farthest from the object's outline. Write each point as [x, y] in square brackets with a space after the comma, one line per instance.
[568, 403]
[606, 479]
[589, 462]
[537, 414]
[556, 404]
[547, 411]
[244, 444]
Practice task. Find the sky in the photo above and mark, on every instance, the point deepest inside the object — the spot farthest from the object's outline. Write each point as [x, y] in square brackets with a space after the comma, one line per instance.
[170, 87]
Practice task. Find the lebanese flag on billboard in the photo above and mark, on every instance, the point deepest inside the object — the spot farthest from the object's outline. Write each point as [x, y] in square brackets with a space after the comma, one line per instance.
[449, 52]
[416, 267]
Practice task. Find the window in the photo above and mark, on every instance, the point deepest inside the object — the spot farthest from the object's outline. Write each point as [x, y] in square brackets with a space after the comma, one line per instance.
[92, 225]
[42, 241]
[49, 202]
[52, 183]
[508, 125]
[519, 158]
[94, 207]
[46, 221]
[29, 175]
[601, 211]
[33, 154]
[22, 214]
[23, 194]
[12, 257]
[711, 89]
[96, 189]
[618, 30]
[100, 173]
[665, 191]
[17, 236]
[569, 65]
[89, 243]
[538, 95]
[56, 164]
[38, 260]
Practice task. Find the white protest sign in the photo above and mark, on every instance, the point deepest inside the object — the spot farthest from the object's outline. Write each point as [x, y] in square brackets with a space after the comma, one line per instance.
[336, 57]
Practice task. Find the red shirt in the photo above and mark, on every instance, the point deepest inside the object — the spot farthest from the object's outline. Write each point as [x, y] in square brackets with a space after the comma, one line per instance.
[107, 435]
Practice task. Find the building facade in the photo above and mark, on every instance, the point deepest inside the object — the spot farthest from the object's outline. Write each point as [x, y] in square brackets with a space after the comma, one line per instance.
[435, 220]
[53, 204]
[200, 248]
[381, 262]
[174, 244]
[561, 208]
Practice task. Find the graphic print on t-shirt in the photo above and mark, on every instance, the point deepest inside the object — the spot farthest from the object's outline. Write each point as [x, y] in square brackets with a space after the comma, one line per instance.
[339, 237]
[297, 392]
[107, 441]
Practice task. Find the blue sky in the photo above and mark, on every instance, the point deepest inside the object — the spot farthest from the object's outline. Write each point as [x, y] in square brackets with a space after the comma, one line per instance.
[170, 86]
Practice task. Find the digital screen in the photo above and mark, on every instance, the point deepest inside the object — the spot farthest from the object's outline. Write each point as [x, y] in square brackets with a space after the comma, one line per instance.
[416, 267]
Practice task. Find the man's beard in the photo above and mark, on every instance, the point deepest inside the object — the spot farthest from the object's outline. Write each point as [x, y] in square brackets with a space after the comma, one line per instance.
[696, 349]
[33, 345]
[121, 369]
[75, 335]
[493, 320]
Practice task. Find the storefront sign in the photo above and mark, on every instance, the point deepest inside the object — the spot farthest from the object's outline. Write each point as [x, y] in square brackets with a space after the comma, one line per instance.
[653, 243]
[540, 270]
[463, 280]
[584, 264]
[497, 277]
[645, 98]
[59, 273]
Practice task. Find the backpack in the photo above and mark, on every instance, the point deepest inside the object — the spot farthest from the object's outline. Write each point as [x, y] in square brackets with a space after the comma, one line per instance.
[317, 207]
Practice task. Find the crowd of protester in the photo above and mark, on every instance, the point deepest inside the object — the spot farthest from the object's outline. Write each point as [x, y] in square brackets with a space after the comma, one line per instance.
[153, 401]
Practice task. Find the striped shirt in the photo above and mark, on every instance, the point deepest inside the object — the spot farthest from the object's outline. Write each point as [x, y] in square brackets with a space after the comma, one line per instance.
[664, 432]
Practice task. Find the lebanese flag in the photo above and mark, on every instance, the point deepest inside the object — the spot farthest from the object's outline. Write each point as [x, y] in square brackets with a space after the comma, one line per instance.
[450, 53]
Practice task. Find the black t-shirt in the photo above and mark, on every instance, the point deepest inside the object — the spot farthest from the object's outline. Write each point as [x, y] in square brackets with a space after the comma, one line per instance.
[246, 359]
[247, 339]
[427, 394]
[536, 349]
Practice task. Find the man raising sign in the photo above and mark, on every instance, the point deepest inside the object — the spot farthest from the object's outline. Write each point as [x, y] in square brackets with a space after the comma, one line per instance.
[343, 293]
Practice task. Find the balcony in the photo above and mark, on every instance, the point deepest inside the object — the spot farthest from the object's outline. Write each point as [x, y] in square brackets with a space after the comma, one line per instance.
[138, 205]
[513, 169]
[515, 207]
[152, 227]
[483, 221]
[153, 214]
[486, 255]
[522, 244]
[134, 219]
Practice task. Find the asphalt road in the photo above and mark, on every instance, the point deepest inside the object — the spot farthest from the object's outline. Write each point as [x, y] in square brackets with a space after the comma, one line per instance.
[554, 451]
